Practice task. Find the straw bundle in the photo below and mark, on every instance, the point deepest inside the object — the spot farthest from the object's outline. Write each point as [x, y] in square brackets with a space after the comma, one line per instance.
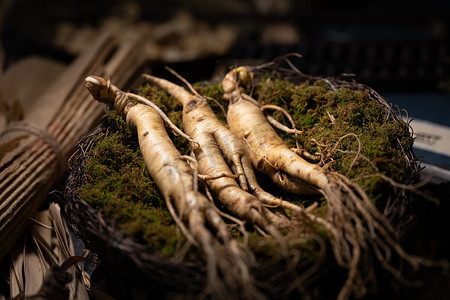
[33, 272]
[34, 150]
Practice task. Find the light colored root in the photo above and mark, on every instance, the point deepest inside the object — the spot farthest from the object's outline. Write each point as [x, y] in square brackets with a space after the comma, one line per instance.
[162, 114]
[238, 223]
[323, 156]
[218, 176]
[191, 88]
[189, 209]
[358, 228]
[194, 164]
[311, 207]
[179, 222]
[280, 126]
[284, 112]
[238, 168]
[226, 258]
[231, 150]
[305, 154]
[328, 165]
[254, 151]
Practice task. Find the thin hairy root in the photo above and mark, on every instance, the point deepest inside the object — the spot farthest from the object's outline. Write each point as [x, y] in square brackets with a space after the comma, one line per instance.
[328, 152]
[358, 155]
[163, 116]
[355, 225]
[218, 104]
[279, 125]
[332, 119]
[411, 187]
[282, 127]
[175, 176]
[179, 223]
[306, 154]
[328, 165]
[312, 207]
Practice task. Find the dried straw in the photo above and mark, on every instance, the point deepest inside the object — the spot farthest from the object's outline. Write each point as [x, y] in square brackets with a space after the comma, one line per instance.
[35, 259]
[34, 151]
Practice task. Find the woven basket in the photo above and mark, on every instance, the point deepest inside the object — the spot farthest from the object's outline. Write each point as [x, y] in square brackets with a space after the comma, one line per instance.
[138, 266]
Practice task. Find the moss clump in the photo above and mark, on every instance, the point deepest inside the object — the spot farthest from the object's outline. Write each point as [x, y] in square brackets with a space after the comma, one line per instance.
[119, 185]
[346, 126]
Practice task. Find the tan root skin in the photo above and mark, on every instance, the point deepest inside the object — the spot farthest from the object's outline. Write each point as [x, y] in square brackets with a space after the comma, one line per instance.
[163, 161]
[269, 153]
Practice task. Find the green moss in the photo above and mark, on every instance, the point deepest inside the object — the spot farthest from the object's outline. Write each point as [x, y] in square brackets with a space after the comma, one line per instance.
[326, 116]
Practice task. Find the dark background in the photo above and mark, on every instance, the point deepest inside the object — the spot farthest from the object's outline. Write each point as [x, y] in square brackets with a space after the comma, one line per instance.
[389, 45]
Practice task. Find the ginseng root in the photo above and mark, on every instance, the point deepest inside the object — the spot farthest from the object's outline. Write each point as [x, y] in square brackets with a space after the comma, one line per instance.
[176, 180]
[219, 149]
[361, 228]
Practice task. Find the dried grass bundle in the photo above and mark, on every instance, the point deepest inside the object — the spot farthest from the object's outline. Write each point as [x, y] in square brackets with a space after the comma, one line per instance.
[34, 150]
[34, 271]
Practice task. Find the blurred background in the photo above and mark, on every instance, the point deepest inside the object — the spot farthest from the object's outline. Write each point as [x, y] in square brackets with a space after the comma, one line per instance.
[399, 48]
